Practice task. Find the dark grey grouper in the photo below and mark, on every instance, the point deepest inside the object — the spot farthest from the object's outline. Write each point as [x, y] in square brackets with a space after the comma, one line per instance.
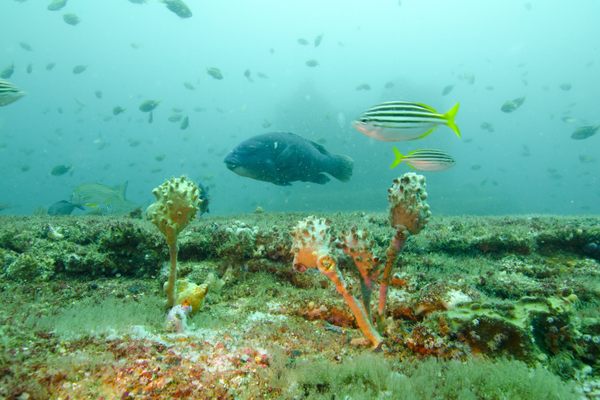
[282, 158]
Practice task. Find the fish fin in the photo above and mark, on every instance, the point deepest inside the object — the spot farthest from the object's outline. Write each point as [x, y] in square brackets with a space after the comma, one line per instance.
[449, 116]
[429, 132]
[122, 189]
[433, 110]
[320, 148]
[399, 157]
[321, 179]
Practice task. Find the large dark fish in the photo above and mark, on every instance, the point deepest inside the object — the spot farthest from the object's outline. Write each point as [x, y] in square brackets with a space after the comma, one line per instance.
[282, 158]
[63, 207]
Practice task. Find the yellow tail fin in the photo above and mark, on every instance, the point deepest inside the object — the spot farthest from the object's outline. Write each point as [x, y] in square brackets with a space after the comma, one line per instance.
[450, 119]
[399, 157]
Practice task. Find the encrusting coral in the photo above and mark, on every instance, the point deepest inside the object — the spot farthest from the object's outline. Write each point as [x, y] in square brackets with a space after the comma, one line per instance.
[315, 247]
[177, 202]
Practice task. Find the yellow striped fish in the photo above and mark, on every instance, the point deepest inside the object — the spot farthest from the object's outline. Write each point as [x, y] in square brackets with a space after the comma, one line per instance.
[395, 121]
[424, 160]
[9, 93]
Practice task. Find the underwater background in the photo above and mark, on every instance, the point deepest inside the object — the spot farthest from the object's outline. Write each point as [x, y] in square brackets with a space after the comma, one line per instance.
[478, 53]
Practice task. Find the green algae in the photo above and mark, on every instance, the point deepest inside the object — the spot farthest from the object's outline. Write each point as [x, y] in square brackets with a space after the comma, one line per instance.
[370, 376]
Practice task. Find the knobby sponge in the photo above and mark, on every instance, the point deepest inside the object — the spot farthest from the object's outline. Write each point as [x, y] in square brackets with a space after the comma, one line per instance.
[177, 202]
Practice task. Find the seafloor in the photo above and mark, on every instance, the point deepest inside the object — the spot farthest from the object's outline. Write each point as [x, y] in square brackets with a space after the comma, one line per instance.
[480, 308]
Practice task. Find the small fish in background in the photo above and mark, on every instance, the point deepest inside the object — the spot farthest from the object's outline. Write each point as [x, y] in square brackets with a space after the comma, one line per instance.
[185, 123]
[135, 46]
[71, 19]
[138, 1]
[424, 160]
[302, 42]
[395, 121]
[512, 105]
[4, 206]
[215, 73]
[318, 39]
[568, 119]
[584, 132]
[56, 5]
[389, 85]
[525, 151]
[98, 94]
[363, 86]
[554, 174]
[118, 110]
[487, 126]
[7, 72]
[9, 93]
[102, 199]
[59, 170]
[266, 124]
[50, 66]
[178, 7]
[248, 75]
[78, 69]
[205, 199]
[175, 118]
[262, 75]
[25, 46]
[282, 158]
[63, 207]
[446, 91]
[189, 86]
[312, 63]
[160, 157]
[565, 86]
[149, 105]
[586, 159]
[29, 69]
[467, 77]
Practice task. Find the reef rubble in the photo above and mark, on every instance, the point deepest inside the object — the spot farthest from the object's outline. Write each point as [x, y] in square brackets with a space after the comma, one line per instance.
[83, 311]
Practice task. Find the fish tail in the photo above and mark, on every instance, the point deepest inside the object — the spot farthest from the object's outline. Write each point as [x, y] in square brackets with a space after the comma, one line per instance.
[342, 168]
[449, 116]
[399, 157]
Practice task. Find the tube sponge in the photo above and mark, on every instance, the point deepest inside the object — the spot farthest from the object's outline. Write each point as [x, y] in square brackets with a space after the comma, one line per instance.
[408, 203]
[177, 202]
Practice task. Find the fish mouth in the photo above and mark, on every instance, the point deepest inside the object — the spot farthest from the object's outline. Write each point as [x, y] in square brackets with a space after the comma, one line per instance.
[231, 163]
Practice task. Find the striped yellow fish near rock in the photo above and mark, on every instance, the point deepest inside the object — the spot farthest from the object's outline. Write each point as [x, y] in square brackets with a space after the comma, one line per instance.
[396, 121]
[9, 93]
[424, 160]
